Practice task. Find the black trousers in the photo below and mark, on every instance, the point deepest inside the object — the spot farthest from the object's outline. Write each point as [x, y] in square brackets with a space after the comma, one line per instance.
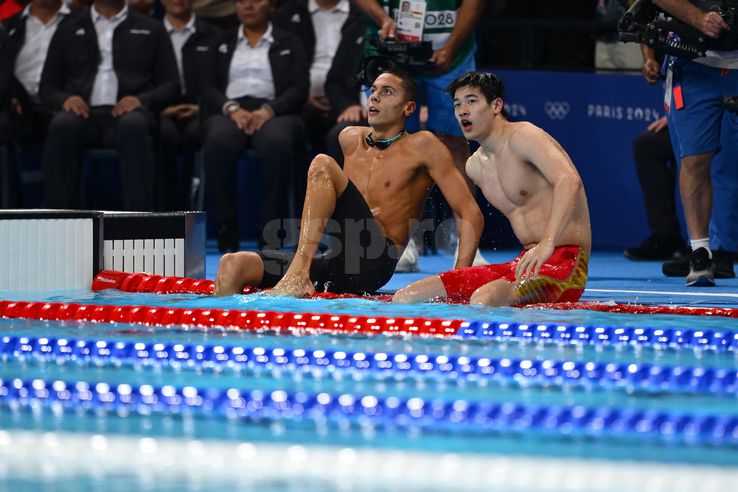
[132, 135]
[176, 137]
[277, 145]
[18, 131]
[657, 174]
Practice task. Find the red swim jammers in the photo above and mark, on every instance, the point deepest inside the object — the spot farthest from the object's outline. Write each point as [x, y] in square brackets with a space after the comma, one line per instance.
[561, 278]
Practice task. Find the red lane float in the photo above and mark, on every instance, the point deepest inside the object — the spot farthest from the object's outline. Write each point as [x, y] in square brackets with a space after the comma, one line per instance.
[141, 282]
[229, 319]
[639, 309]
[158, 284]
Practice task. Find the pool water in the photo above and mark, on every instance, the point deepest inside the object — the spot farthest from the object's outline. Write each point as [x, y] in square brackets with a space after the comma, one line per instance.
[297, 416]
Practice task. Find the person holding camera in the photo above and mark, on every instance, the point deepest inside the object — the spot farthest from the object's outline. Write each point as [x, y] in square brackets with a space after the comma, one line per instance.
[697, 91]
[448, 25]
[366, 210]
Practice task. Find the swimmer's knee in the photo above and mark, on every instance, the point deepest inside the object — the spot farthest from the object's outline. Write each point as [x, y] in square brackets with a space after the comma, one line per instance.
[422, 290]
[237, 261]
[497, 293]
[322, 167]
[235, 271]
[403, 296]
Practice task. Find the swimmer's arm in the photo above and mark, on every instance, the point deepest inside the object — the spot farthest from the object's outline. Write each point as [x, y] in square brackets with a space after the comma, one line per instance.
[533, 145]
[441, 168]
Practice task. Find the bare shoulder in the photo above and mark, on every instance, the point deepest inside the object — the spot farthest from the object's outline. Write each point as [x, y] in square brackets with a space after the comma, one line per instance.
[526, 138]
[474, 165]
[429, 148]
[525, 131]
[423, 141]
[350, 137]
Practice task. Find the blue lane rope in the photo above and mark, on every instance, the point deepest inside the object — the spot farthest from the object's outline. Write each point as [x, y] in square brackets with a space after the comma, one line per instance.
[366, 411]
[379, 365]
[673, 338]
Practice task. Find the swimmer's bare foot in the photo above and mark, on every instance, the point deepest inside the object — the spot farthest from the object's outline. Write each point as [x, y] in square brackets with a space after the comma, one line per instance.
[292, 286]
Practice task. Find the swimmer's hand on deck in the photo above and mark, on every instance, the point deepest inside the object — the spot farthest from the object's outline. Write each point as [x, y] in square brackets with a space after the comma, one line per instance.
[533, 259]
[292, 286]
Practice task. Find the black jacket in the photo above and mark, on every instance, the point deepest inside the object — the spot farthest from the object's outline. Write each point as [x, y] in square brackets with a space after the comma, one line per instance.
[341, 87]
[198, 55]
[290, 71]
[15, 29]
[143, 60]
[6, 68]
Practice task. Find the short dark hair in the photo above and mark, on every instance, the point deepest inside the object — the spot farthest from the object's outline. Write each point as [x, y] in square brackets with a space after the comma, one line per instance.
[489, 84]
[409, 85]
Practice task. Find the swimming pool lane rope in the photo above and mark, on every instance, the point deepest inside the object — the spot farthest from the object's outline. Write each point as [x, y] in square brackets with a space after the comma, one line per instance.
[375, 365]
[672, 338]
[158, 284]
[369, 411]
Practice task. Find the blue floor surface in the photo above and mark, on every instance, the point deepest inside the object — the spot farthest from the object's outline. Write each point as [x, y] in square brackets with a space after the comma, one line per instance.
[612, 278]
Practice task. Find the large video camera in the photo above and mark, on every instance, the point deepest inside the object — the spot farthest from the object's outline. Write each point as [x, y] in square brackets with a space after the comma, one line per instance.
[413, 56]
[644, 23]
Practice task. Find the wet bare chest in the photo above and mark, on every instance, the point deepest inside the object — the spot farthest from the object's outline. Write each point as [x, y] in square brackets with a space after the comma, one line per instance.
[379, 178]
[508, 183]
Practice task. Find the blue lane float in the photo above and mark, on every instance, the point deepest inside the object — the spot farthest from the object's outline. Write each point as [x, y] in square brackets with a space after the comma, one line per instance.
[378, 365]
[370, 411]
[672, 338]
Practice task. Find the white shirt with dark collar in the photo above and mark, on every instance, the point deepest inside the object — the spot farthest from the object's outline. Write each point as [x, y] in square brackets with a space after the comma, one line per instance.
[32, 55]
[250, 73]
[327, 24]
[179, 37]
[105, 88]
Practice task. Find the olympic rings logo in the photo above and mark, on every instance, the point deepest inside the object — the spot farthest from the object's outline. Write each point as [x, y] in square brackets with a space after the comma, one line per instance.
[556, 110]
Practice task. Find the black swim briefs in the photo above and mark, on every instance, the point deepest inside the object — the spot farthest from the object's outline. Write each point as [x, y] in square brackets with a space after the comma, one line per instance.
[359, 259]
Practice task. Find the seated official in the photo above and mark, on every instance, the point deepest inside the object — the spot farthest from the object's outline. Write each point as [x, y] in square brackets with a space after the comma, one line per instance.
[107, 76]
[332, 32]
[29, 35]
[6, 64]
[257, 91]
[23, 119]
[194, 42]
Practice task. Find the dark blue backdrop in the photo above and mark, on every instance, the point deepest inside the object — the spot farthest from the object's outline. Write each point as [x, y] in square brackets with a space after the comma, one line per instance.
[596, 117]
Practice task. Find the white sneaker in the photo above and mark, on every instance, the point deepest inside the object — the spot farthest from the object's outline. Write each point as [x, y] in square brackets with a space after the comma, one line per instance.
[479, 260]
[408, 262]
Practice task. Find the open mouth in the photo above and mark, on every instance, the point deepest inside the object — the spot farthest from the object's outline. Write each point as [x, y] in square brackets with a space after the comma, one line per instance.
[466, 124]
[372, 110]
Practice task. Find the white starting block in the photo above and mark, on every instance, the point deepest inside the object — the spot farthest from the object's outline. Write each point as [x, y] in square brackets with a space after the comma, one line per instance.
[65, 249]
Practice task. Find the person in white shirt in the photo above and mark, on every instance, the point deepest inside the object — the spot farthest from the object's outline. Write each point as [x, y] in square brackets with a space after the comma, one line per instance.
[30, 32]
[194, 42]
[332, 32]
[255, 96]
[107, 76]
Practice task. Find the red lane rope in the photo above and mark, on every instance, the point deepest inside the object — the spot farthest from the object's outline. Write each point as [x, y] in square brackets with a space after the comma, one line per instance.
[231, 319]
[640, 309]
[142, 282]
[158, 284]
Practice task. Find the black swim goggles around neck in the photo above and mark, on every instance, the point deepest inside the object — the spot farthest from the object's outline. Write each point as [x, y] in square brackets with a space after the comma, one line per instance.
[382, 144]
